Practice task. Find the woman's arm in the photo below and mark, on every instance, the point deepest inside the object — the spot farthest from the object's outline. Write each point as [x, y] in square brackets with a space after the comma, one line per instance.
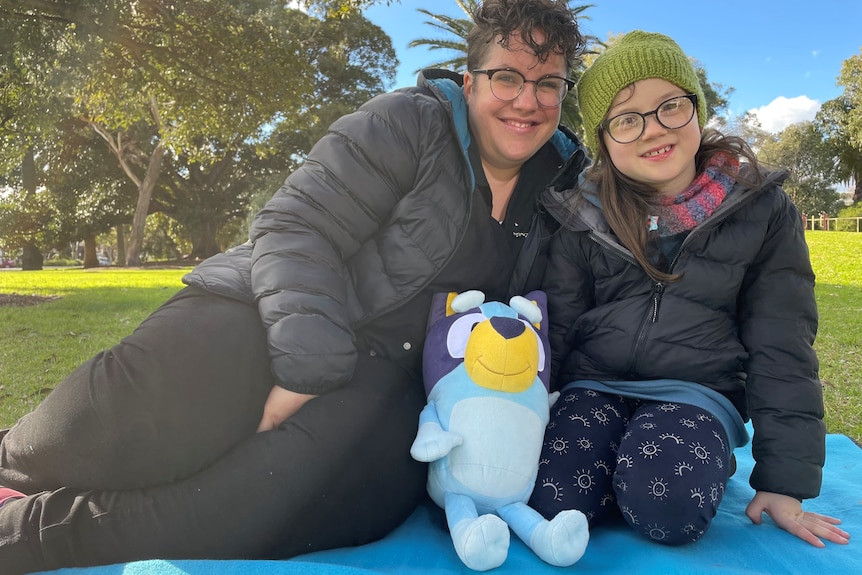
[338, 199]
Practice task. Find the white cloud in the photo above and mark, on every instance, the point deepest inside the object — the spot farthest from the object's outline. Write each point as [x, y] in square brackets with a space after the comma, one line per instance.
[781, 112]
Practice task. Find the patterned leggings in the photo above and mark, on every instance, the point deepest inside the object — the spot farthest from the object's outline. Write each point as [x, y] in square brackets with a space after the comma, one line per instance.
[663, 465]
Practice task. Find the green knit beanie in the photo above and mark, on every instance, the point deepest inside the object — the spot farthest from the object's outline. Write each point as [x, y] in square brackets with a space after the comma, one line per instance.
[636, 56]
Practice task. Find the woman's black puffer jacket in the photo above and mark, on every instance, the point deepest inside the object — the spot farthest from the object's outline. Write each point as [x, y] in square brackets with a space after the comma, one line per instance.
[370, 218]
[741, 321]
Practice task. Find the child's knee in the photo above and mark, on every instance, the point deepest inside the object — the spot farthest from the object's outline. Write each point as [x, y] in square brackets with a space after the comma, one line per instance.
[654, 508]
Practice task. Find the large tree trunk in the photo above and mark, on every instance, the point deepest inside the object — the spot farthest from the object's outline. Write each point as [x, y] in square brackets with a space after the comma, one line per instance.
[145, 193]
[203, 236]
[145, 186]
[91, 259]
[31, 256]
[120, 259]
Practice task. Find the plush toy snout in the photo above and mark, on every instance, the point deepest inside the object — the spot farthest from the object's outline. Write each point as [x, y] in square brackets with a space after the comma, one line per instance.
[502, 354]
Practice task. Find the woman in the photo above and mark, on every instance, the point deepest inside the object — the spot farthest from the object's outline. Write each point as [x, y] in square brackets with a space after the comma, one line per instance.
[149, 449]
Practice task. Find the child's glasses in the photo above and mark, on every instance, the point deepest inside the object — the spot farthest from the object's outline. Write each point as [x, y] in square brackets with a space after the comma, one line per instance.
[673, 114]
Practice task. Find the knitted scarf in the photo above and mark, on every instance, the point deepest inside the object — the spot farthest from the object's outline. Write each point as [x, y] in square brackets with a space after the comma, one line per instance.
[676, 214]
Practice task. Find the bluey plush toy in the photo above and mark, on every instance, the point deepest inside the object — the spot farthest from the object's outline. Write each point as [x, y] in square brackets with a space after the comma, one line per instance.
[486, 370]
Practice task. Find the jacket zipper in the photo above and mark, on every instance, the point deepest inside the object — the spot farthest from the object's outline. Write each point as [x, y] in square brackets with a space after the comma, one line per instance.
[657, 290]
[658, 287]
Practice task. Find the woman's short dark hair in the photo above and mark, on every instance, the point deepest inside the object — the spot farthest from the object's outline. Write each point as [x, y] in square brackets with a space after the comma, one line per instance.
[500, 20]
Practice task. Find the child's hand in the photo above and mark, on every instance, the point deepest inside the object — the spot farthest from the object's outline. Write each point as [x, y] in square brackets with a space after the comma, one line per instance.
[787, 513]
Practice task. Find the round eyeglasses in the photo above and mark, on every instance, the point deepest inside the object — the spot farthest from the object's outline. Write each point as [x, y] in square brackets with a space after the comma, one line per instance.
[673, 114]
[507, 84]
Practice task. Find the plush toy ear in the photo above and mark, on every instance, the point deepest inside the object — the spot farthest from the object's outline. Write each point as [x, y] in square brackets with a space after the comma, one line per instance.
[466, 300]
[541, 300]
[436, 361]
[439, 307]
[527, 308]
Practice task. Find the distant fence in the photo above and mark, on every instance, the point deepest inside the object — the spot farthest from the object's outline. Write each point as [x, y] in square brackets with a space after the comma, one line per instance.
[833, 224]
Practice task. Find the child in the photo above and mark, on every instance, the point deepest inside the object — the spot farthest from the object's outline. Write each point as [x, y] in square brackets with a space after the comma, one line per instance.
[681, 303]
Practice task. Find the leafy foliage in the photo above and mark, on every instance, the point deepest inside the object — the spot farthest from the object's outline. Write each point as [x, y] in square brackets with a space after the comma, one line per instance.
[801, 150]
[845, 223]
[840, 120]
[197, 101]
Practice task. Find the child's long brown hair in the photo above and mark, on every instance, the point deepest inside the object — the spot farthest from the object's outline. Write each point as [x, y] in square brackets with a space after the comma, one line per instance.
[627, 203]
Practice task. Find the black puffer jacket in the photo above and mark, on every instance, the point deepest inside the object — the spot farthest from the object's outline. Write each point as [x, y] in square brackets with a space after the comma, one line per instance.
[741, 321]
[372, 216]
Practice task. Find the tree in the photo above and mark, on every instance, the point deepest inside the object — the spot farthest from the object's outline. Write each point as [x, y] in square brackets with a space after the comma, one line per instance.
[749, 128]
[27, 105]
[833, 121]
[25, 229]
[841, 122]
[193, 82]
[851, 79]
[800, 148]
[352, 58]
[79, 176]
[72, 193]
[455, 42]
[717, 95]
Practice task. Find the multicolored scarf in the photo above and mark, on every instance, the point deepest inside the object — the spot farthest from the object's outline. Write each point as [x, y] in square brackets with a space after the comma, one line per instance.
[676, 214]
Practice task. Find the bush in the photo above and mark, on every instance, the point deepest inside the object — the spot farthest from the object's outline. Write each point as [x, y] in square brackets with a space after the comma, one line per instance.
[849, 225]
[62, 262]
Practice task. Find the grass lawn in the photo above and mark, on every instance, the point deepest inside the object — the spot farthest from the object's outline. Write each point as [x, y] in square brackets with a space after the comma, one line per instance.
[837, 261]
[40, 344]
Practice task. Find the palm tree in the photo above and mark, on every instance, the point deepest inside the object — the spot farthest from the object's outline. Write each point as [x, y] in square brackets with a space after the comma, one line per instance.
[456, 43]
[456, 28]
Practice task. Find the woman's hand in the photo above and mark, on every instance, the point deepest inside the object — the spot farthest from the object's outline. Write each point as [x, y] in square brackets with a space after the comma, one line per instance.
[281, 404]
[787, 513]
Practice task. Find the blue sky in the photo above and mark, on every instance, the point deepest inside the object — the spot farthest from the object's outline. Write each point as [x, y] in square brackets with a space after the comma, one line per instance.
[782, 58]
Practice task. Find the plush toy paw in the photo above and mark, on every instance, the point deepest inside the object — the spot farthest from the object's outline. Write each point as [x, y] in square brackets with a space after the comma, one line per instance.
[482, 543]
[563, 540]
[433, 443]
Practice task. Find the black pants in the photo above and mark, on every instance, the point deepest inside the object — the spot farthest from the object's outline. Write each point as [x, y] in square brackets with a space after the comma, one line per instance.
[149, 450]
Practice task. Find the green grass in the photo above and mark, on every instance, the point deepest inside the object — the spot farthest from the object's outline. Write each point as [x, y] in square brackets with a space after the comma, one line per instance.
[837, 261]
[40, 344]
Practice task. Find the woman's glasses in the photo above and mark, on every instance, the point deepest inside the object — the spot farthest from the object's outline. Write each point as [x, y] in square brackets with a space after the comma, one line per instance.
[507, 84]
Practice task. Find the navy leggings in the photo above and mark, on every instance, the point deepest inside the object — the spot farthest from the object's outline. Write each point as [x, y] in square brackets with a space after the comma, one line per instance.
[664, 466]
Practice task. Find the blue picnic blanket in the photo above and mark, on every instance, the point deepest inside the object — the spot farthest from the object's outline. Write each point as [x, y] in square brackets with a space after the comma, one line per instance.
[732, 545]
